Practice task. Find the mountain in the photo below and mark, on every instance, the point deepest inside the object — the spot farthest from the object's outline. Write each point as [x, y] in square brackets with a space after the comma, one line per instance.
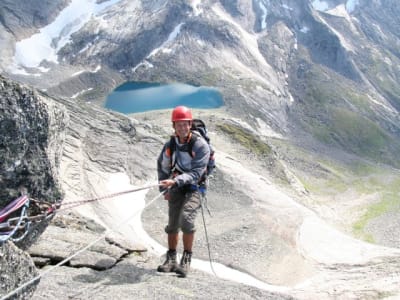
[276, 62]
[311, 117]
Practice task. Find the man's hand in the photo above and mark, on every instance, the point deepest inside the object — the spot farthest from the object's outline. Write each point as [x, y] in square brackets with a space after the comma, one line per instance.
[167, 183]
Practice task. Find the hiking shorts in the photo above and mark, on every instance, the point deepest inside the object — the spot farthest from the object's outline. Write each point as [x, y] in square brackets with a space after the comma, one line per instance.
[182, 211]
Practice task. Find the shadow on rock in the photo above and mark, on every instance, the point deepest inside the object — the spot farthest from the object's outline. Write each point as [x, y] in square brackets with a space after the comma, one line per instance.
[122, 273]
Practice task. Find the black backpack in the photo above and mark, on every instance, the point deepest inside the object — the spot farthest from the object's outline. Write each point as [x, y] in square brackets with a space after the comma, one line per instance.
[198, 127]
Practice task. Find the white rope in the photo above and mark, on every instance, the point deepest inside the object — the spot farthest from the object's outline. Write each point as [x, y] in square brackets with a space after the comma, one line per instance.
[78, 252]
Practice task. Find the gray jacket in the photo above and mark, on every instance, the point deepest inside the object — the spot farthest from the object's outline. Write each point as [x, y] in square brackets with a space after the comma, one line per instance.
[190, 168]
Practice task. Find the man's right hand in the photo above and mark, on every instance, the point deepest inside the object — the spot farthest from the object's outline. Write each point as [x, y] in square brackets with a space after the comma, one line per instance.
[167, 183]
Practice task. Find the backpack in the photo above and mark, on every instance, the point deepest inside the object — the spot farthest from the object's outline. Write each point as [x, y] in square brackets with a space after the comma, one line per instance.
[198, 128]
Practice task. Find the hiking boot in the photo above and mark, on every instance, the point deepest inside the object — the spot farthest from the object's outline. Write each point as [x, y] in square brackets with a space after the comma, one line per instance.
[170, 264]
[183, 269]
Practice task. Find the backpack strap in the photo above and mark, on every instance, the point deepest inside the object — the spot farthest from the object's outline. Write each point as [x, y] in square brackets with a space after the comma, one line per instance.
[192, 140]
[172, 146]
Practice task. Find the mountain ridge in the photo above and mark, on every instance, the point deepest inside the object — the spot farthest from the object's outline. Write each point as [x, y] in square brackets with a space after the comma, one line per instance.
[315, 83]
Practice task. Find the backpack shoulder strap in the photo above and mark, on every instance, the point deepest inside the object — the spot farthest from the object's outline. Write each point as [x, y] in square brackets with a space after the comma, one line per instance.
[193, 140]
[172, 149]
[172, 145]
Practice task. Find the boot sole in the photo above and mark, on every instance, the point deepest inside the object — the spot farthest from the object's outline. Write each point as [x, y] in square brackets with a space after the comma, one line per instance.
[170, 270]
[181, 273]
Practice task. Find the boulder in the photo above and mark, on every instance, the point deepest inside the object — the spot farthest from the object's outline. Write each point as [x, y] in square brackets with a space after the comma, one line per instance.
[16, 268]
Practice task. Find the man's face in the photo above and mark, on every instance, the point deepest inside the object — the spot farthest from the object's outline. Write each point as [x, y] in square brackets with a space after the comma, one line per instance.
[182, 128]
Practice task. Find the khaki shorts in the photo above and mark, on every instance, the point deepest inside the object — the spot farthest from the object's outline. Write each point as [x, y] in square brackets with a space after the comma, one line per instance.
[182, 211]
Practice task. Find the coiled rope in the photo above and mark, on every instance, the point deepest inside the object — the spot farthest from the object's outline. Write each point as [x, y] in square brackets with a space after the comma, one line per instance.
[13, 206]
[84, 248]
[20, 219]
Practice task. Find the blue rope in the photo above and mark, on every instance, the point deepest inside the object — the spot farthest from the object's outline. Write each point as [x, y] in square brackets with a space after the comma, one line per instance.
[23, 215]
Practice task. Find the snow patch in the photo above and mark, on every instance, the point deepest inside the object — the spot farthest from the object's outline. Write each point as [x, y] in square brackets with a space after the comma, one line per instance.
[145, 64]
[286, 7]
[78, 73]
[304, 29]
[351, 5]
[195, 5]
[320, 5]
[30, 52]
[200, 42]
[81, 93]
[98, 68]
[264, 14]
[164, 48]
[172, 36]
[339, 11]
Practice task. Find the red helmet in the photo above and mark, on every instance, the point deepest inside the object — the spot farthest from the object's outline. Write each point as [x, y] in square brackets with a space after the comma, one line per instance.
[181, 113]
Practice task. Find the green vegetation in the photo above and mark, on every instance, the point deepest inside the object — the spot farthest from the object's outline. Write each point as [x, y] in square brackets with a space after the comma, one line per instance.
[342, 117]
[246, 139]
[389, 202]
[353, 132]
[328, 180]
[385, 76]
[363, 180]
[210, 77]
[261, 149]
[93, 94]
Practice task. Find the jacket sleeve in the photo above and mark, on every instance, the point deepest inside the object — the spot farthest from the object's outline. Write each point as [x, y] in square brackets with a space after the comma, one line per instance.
[201, 155]
[164, 164]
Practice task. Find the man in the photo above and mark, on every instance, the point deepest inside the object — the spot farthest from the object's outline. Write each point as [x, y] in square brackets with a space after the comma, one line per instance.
[179, 173]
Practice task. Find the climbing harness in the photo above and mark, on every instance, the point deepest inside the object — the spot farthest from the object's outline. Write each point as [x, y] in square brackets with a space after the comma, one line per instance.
[117, 226]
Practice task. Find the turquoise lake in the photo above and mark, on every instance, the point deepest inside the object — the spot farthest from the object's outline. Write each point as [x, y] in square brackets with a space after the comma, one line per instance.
[134, 97]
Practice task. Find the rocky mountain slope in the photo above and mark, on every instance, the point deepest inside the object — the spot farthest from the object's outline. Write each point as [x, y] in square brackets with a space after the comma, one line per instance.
[287, 249]
[310, 118]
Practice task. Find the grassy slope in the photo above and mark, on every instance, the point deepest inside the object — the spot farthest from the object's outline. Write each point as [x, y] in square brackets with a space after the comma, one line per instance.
[341, 116]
